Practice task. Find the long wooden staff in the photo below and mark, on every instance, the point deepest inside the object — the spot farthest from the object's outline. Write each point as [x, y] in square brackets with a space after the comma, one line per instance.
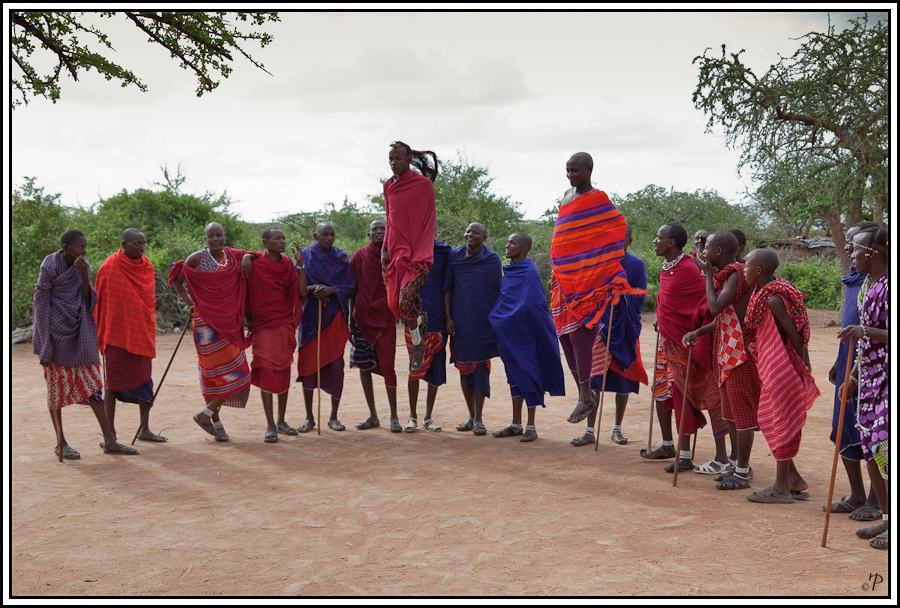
[159, 386]
[837, 440]
[684, 399]
[605, 375]
[653, 391]
[319, 365]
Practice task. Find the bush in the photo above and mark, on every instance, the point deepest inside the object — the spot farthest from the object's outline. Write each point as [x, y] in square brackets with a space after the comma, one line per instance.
[821, 280]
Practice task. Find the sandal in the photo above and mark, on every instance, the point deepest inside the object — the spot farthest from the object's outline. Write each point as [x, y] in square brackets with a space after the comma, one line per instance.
[221, 435]
[509, 431]
[872, 531]
[285, 429]
[417, 356]
[733, 482]
[116, 448]
[335, 425]
[663, 452]
[619, 438]
[586, 439]
[466, 426]
[206, 426]
[731, 472]
[368, 423]
[880, 541]
[684, 464]
[69, 453]
[307, 426]
[865, 513]
[581, 412]
[271, 436]
[411, 425]
[530, 435]
[431, 425]
[479, 429]
[395, 426]
[713, 467]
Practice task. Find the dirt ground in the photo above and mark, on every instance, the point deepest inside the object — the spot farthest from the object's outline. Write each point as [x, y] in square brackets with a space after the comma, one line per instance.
[373, 513]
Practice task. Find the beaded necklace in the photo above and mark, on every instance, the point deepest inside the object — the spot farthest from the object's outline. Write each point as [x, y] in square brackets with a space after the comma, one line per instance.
[668, 266]
[225, 265]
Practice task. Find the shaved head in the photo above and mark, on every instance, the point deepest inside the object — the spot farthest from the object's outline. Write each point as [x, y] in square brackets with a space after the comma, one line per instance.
[322, 225]
[212, 225]
[766, 259]
[130, 233]
[583, 158]
[725, 239]
[524, 238]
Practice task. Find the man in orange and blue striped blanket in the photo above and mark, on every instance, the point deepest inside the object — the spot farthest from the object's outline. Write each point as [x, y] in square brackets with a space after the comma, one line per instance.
[587, 276]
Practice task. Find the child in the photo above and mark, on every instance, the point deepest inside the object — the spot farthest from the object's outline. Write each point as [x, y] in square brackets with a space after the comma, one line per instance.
[777, 314]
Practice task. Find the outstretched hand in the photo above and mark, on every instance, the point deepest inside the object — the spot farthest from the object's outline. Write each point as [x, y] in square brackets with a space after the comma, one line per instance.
[298, 253]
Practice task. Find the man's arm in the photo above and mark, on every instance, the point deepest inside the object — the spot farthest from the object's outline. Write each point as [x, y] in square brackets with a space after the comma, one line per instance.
[42, 342]
[722, 300]
[691, 337]
[448, 317]
[776, 305]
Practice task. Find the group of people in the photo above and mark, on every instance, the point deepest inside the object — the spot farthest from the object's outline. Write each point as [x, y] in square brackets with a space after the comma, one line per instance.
[732, 336]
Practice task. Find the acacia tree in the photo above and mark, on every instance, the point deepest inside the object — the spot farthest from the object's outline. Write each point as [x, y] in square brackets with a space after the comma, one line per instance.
[820, 117]
[202, 42]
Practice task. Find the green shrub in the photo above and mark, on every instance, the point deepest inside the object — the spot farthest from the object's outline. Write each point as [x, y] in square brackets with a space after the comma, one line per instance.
[821, 280]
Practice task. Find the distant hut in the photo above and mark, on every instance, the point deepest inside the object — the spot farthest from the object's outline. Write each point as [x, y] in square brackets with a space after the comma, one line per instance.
[800, 249]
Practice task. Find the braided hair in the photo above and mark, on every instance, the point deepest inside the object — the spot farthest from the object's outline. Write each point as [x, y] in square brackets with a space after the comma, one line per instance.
[425, 161]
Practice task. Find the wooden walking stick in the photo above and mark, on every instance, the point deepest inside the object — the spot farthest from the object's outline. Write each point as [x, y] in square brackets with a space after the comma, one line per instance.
[319, 366]
[605, 375]
[684, 398]
[837, 440]
[159, 386]
[653, 391]
[694, 449]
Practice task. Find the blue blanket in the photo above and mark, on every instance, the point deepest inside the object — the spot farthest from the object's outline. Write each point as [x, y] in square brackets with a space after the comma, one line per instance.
[626, 315]
[475, 283]
[332, 268]
[526, 336]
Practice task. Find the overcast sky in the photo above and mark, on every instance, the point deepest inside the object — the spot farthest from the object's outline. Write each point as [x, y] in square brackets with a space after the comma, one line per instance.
[515, 92]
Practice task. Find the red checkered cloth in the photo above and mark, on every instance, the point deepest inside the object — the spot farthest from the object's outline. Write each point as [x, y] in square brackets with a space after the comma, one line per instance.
[740, 396]
[67, 385]
[126, 371]
[729, 337]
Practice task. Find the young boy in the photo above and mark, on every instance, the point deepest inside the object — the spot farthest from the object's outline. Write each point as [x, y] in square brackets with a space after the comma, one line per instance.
[526, 337]
[778, 316]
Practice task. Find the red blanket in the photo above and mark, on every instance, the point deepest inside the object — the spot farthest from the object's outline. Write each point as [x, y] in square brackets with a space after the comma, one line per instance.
[126, 305]
[370, 305]
[586, 258]
[409, 235]
[681, 307]
[220, 298]
[273, 293]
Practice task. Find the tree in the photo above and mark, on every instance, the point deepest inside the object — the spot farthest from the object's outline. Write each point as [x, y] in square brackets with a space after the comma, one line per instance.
[37, 222]
[653, 206]
[202, 42]
[821, 115]
[351, 224]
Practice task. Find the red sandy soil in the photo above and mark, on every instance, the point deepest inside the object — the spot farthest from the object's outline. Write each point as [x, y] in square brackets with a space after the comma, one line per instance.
[373, 513]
